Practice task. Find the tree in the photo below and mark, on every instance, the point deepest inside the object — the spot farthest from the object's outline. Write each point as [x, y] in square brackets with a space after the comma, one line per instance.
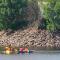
[10, 12]
[51, 13]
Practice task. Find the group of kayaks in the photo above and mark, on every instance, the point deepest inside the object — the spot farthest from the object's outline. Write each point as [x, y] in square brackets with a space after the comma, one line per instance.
[9, 50]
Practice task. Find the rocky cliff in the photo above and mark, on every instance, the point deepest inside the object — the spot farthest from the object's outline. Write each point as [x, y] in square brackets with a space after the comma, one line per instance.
[31, 38]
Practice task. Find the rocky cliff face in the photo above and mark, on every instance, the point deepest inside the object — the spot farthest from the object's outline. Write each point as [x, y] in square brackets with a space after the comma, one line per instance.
[31, 38]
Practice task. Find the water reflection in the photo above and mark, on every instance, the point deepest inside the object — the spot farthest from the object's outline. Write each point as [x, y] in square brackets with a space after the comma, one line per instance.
[34, 56]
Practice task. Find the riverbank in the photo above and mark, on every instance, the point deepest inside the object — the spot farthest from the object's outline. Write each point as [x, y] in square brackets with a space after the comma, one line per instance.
[31, 38]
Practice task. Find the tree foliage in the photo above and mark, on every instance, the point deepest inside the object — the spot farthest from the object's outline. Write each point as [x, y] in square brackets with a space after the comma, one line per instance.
[11, 13]
[51, 13]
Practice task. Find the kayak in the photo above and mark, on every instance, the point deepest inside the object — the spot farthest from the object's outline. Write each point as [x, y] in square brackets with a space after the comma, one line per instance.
[9, 50]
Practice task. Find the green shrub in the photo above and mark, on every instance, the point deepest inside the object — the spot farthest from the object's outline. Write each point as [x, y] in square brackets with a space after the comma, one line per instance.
[51, 13]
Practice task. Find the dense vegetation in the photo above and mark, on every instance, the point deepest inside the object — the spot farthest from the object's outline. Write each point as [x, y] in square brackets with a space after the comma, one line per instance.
[51, 14]
[12, 15]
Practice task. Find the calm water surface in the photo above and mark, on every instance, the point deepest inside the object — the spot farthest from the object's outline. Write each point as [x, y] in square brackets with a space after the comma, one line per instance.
[34, 56]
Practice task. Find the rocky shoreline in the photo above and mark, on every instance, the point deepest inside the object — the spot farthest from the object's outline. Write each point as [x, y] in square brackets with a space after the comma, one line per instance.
[31, 38]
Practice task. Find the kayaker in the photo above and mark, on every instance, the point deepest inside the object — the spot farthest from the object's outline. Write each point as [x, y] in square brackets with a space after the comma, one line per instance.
[7, 50]
[21, 50]
[26, 50]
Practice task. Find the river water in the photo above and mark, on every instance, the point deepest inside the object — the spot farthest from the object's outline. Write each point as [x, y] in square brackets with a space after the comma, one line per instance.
[32, 56]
